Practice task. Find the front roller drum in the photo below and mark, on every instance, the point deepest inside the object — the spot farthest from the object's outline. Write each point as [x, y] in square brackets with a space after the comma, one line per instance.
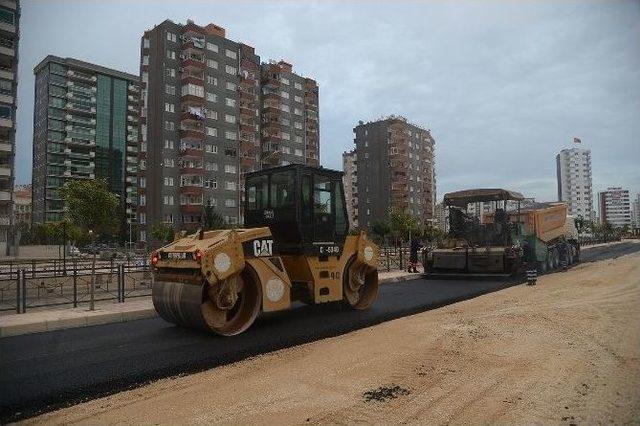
[360, 285]
[228, 308]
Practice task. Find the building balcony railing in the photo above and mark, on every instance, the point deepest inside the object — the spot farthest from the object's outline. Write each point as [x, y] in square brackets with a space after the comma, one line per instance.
[81, 76]
[191, 208]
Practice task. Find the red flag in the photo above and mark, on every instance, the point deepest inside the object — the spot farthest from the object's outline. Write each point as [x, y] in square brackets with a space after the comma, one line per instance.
[576, 140]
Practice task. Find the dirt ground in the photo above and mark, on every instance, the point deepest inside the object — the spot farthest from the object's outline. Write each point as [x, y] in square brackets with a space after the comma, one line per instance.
[562, 352]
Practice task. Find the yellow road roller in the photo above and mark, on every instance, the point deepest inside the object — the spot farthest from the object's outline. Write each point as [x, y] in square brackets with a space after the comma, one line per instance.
[295, 247]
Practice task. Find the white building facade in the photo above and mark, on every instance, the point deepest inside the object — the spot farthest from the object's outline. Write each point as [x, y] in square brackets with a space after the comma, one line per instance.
[573, 168]
[615, 207]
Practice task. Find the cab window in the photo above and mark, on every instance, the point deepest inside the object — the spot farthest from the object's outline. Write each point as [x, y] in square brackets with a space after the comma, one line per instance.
[257, 192]
[322, 195]
[282, 189]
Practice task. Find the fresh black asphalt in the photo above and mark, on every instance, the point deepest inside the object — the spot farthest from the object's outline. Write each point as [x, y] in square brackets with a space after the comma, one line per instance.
[40, 372]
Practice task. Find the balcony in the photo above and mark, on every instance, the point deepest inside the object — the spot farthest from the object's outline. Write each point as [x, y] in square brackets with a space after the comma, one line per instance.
[192, 132]
[191, 208]
[193, 76]
[247, 161]
[6, 123]
[7, 51]
[6, 146]
[81, 76]
[79, 108]
[133, 109]
[5, 195]
[191, 168]
[192, 59]
[191, 190]
[5, 170]
[7, 99]
[6, 73]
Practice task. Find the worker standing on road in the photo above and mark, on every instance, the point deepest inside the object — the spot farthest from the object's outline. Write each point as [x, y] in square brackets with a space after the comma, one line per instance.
[413, 254]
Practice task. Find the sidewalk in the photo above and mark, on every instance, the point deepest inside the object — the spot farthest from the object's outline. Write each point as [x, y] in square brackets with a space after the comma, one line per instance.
[132, 309]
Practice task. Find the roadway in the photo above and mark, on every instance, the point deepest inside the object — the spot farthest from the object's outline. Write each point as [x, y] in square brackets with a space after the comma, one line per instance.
[41, 372]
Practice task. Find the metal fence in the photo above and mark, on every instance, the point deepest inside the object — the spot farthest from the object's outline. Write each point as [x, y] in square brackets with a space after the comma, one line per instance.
[24, 289]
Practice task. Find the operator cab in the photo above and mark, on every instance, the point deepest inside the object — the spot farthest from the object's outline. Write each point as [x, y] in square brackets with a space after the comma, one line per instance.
[303, 206]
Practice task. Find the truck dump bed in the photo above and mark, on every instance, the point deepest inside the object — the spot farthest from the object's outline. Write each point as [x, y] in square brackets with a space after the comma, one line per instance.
[547, 221]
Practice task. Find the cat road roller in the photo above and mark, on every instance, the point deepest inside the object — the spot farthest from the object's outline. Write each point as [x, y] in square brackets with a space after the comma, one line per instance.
[295, 247]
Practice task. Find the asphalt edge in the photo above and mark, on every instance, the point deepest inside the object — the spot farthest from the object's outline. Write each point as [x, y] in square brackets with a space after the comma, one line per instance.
[98, 318]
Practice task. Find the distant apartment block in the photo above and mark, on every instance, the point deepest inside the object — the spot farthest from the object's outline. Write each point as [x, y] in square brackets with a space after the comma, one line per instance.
[22, 205]
[573, 168]
[211, 112]
[9, 36]
[350, 181]
[85, 127]
[615, 207]
[396, 170]
[635, 212]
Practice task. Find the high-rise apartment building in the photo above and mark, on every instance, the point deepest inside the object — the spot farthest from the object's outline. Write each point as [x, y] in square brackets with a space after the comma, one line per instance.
[350, 181]
[615, 207]
[9, 36]
[85, 126]
[635, 213]
[396, 170]
[211, 112]
[573, 168]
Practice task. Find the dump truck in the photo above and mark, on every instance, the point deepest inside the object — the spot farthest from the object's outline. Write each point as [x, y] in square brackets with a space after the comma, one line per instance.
[508, 240]
[295, 246]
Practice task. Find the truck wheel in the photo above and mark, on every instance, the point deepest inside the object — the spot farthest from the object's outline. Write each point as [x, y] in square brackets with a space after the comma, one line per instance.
[542, 267]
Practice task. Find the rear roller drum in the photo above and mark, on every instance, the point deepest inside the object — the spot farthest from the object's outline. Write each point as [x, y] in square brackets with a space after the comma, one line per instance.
[360, 285]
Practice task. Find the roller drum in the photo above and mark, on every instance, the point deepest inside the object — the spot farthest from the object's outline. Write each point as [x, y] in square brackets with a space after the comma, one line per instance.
[179, 303]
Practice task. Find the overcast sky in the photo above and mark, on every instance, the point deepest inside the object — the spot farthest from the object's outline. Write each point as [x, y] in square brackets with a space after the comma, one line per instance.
[502, 85]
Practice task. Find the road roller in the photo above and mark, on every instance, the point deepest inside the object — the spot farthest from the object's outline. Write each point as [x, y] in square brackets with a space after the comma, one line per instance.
[295, 246]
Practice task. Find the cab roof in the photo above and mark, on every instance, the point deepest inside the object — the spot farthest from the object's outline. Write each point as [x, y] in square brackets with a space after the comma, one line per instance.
[466, 196]
[300, 167]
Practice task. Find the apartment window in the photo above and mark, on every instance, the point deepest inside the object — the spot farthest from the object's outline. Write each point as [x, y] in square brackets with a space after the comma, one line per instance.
[297, 86]
[168, 144]
[211, 131]
[143, 236]
[211, 167]
[231, 54]
[297, 111]
[286, 136]
[230, 118]
[212, 97]
[143, 200]
[145, 43]
[171, 37]
[213, 115]
[211, 183]
[212, 47]
[230, 135]
[229, 202]
[143, 182]
[284, 80]
[230, 70]
[298, 139]
[168, 162]
[231, 86]
[169, 125]
[230, 185]
[169, 89]
[285, 108]
[228, 168]
[168, 218]
[192, 89]
[297, 98]
[170, 72]
[171, 54]
[284, 94]
[230, 102]
[212, 80]
[298, 152]
[297, 125]
[169, 107]
[212, 63]
[168, 181]
[167, 200]
[286, 122]
[145, 60]
[230, 152]
[212, 149]
[143, 218]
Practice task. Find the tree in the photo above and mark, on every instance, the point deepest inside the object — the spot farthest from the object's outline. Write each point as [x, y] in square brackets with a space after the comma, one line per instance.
[211, 219]
[380, 229]
[403, 225]
[162, 232]
[90, 206]
[580, 223]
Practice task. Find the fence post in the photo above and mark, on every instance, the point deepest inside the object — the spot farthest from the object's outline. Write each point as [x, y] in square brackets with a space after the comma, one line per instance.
[24, 291]
[401, 252]
[75, 288]
[18, 284]
[387, 256]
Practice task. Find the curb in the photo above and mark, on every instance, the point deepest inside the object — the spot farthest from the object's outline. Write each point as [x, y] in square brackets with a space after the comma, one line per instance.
[98, 317]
